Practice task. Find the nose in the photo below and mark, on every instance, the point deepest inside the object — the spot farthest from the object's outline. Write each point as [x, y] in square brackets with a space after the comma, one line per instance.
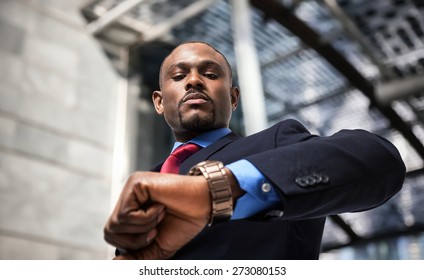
[194, 81]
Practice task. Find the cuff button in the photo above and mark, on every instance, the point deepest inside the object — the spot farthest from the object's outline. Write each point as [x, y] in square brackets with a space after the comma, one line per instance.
[266, 188]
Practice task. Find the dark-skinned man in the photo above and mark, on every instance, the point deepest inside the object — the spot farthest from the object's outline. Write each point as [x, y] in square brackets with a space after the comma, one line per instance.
[265, 196]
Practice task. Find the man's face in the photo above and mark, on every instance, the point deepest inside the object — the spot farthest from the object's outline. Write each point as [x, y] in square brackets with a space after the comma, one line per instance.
[196, 92]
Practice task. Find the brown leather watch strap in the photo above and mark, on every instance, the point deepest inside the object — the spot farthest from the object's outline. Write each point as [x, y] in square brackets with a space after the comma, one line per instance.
[219, 187]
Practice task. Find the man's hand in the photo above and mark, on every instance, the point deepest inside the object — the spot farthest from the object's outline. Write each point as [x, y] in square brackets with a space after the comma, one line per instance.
[133, 225]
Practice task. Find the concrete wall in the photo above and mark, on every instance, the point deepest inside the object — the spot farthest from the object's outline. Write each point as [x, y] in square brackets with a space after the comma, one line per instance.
[58, 96]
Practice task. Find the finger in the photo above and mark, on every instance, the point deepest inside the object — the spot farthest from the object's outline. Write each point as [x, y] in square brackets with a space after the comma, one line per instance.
[152, 252]
[117, 235]
[124, 257]
[144, 216]
[130, 242]
[141, 216]
[130, 229]
[133, 226]
[117, 228]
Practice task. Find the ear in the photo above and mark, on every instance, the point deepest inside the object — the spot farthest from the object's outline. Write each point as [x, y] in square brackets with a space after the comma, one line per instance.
[157, 101]
[235, 96]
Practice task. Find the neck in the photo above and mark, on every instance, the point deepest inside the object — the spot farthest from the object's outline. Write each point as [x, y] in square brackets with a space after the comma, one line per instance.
[186, 136]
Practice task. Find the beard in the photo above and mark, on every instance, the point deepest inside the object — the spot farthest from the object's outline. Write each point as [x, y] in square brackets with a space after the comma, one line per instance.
[196, 123]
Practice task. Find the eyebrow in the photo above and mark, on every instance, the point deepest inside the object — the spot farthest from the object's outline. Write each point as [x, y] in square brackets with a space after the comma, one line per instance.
[203, 63]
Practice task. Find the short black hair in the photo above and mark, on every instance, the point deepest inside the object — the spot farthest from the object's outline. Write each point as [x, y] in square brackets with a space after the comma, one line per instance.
[194, 42]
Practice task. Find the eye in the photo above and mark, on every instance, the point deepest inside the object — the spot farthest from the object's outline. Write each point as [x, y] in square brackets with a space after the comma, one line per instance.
[211, 76]
[178, 77]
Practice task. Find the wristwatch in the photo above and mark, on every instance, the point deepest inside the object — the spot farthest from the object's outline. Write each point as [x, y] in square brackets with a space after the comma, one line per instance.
[219, 187]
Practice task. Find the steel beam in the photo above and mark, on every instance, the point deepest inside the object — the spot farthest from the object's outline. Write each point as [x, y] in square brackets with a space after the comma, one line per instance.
[388, 91]
[190, 11]
[275, 10]
[355, 34]
[112, 15]
[248, 69]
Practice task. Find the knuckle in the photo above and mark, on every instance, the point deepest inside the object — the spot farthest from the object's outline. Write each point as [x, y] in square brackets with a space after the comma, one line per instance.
[106, 231]
[121, 217]
[138, 241]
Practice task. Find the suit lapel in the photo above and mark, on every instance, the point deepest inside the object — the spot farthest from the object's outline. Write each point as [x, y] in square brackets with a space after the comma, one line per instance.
[207, 152]
[203, 154]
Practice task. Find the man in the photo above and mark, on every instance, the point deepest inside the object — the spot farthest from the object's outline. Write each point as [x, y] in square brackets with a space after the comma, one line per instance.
[281, 182]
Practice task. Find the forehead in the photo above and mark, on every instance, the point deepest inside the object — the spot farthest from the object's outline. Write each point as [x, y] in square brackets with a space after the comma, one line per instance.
[193, 53]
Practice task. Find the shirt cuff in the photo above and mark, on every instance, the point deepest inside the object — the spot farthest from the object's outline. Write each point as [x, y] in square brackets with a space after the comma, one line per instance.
[260, 193]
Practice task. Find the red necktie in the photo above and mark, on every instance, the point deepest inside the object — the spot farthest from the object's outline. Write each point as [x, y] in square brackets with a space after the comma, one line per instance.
[173, 162]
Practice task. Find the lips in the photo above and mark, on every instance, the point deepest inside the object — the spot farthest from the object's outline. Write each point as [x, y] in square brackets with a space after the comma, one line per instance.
[195, 98]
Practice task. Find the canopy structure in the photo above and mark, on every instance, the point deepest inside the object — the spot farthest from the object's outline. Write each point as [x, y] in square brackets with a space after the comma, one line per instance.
[329, 64]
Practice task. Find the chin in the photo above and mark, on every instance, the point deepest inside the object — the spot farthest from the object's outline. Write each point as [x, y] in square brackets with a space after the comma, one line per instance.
[198, 124]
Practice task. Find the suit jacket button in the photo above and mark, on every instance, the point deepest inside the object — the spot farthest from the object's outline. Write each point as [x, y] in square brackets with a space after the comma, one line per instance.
[325, 179]
[266, 188]
[317, 177]
[311, 180]
[301, 181]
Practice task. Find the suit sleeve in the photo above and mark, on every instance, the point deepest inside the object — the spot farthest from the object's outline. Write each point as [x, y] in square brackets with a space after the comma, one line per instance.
[352, 170]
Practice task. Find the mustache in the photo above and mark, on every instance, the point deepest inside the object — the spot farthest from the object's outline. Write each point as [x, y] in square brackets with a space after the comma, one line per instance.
[195, 94]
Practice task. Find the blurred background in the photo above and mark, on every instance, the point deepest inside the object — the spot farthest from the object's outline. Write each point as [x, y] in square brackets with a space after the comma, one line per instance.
[76, 117]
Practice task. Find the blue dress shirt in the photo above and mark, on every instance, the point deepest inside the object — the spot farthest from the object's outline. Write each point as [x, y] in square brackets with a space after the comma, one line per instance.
[260, 194]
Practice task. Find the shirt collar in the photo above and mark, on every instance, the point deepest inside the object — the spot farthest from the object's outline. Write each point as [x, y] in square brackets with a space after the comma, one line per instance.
[207, 138]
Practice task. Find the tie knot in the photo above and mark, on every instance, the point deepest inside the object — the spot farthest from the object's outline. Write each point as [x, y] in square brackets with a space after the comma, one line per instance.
[184, 151]
[180, 154]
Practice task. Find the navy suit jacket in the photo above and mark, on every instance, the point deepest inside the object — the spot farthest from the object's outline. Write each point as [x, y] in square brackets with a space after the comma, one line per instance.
[352, 170]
